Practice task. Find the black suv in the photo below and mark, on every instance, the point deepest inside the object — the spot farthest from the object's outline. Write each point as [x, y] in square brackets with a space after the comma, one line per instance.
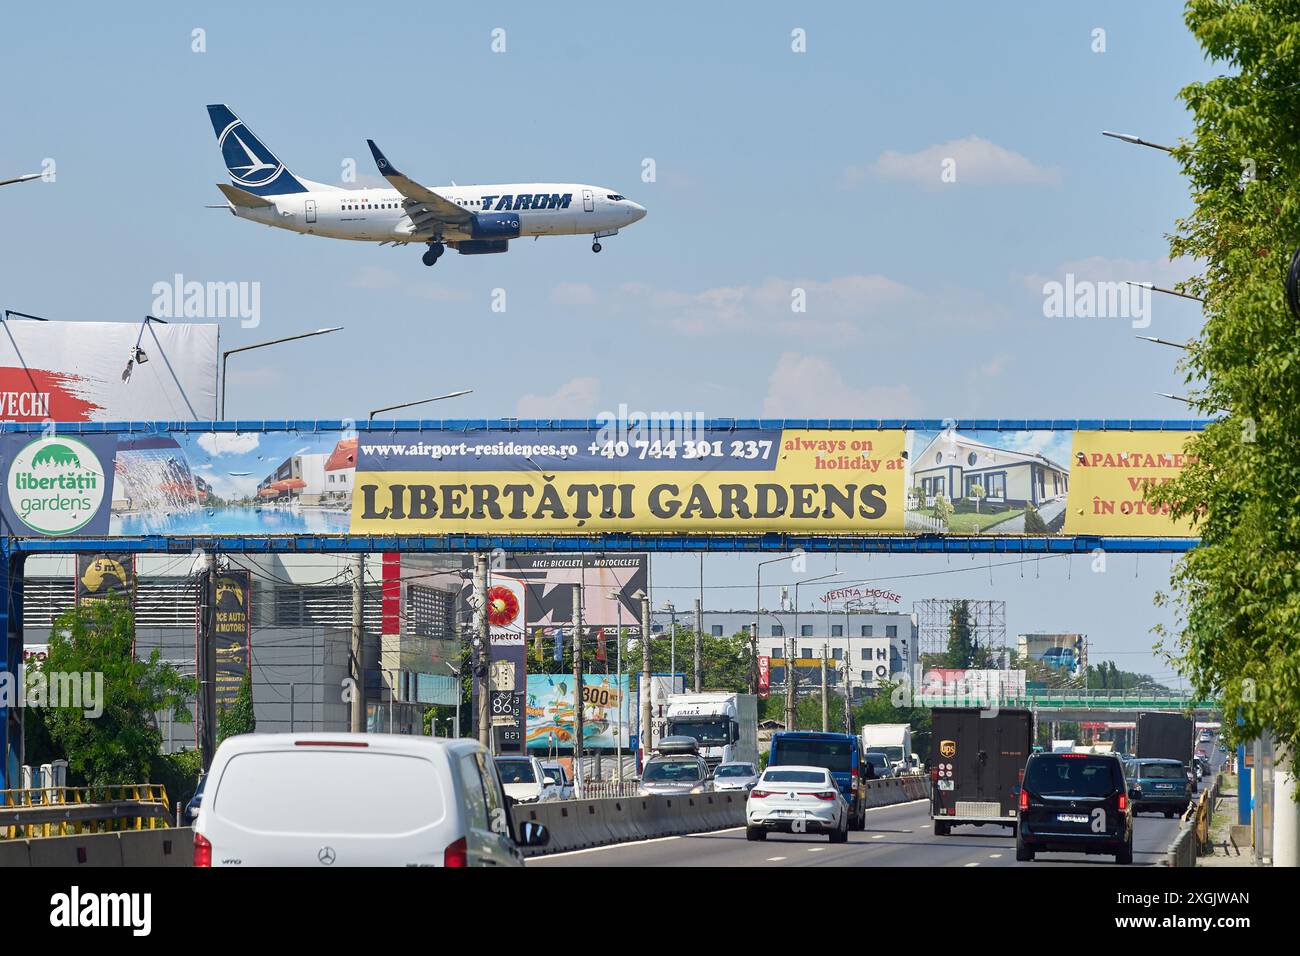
[1075, 803]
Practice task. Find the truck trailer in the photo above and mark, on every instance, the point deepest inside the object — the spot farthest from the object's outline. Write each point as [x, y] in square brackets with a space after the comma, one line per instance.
[1162, 735]
[977, 761]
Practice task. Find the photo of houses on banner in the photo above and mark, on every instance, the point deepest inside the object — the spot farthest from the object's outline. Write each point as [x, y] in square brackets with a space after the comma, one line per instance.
[232, 483]
[987, 482]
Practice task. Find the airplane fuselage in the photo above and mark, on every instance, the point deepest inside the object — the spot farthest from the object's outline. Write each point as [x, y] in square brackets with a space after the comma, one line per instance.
[380, 215]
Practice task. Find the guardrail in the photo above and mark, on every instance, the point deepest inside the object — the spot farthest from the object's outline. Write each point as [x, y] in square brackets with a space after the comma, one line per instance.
[1194, 838]
[60, 811]
[1069, 699]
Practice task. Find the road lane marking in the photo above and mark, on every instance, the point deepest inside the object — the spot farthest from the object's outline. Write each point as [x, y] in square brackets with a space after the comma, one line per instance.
[995, 856]
[976, 863]
[775, 859]
[816, 849]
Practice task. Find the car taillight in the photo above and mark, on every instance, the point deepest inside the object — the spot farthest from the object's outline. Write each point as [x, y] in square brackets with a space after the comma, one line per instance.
[1024, 799]
[760, 794]
[825, 794]
[202, 850]
[457, 854]
[1123, 802]
[934, 774]
[853, 773]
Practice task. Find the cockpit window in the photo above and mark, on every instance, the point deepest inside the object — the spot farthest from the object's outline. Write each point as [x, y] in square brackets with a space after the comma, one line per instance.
[615, 196]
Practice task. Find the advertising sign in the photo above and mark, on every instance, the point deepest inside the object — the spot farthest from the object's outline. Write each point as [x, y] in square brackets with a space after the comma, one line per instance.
[101, 576]
[232, 633]
[605, 711]
[78, 372]
[764, 675]
[550, 582]
[863, 481]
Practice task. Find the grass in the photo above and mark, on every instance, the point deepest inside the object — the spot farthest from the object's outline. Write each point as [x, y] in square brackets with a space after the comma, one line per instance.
[970, 522]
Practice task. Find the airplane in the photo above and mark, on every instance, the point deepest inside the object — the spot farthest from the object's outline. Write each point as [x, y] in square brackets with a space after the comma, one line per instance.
[20, 179]
[473, 220]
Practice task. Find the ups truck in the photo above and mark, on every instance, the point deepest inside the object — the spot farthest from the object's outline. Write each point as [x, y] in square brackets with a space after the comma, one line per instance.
[977, 760]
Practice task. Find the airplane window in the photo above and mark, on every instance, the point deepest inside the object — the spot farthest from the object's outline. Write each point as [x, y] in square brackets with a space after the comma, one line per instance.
[614, 197]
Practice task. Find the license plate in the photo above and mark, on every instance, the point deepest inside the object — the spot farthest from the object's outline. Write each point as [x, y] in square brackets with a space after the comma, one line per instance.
[1072, 817]
[1164, 786]
[797, 814]
[945, 784]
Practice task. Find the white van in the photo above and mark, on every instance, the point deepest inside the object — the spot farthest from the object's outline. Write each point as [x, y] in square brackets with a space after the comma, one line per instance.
[323, 799]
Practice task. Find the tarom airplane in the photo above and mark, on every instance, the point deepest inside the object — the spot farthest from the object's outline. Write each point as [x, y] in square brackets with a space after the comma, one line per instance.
[473, 220]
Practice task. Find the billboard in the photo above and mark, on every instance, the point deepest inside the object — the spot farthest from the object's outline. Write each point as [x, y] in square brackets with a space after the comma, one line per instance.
[1063, 652]
[79, 372]
[605, 711]
[549, 582]
[232, 631]
[852, 481]
[101, 576]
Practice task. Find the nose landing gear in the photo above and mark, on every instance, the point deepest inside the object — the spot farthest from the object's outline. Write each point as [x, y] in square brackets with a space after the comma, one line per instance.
[435, 251]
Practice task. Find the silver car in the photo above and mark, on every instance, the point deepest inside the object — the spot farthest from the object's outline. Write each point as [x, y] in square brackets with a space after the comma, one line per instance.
[675, 775]
[735, 776]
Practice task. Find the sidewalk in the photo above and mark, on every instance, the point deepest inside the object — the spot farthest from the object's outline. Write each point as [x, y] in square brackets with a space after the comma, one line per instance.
[1223, 851]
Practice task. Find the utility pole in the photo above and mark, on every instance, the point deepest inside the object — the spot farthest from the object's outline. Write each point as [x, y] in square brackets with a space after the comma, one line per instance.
[205, 664]
[646, 712]
[826, 710]
[578, 780]
[357, 712]
[699, 642]
[790, 678]
[482, 639]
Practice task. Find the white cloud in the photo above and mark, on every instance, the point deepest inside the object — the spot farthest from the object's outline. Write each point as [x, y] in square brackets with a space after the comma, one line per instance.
[573, 293]
[805, 386]
[576, 398]
[974, 161]
[380, 279]
[228, 443]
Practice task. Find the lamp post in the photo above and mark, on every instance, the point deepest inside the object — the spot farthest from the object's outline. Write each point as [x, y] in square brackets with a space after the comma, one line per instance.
[672, 646]
[790, 697]
[423, 401]
[758, 611]
[1135, 140]
[261, 345]
[618, 681]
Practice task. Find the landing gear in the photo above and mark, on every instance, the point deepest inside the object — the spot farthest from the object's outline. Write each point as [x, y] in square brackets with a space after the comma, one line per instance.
[595, 247]
[435, 251]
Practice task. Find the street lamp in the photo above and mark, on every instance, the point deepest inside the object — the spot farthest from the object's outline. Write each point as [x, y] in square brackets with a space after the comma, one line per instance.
[261, 345]
[672, 652]
[1135, 140]
[790, 678]
[21, 179]
[758, 610]
[618, 670]
[423, 401]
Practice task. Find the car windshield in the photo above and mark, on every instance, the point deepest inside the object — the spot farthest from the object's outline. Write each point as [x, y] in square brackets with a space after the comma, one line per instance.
[556, 772]
[734, 770]
[516, 771]
[1071, 776]
[793, 776]
[671, 771]
[835, 755]
[1162, 771]
[876, 760]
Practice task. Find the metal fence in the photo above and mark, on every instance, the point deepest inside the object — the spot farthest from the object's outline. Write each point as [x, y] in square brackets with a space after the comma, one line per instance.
[60, 811]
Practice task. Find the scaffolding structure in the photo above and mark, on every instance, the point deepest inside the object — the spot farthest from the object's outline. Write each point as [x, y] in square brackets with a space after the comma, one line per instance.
[987, 621]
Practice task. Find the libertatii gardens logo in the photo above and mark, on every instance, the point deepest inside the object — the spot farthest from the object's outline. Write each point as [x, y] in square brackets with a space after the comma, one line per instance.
[56, 484]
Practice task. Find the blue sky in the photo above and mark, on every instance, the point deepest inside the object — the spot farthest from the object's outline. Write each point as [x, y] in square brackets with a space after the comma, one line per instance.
[775, 171]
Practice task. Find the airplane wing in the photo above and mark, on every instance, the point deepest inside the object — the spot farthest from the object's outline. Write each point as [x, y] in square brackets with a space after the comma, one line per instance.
[438, 207]
[242, 197]
[20, 179]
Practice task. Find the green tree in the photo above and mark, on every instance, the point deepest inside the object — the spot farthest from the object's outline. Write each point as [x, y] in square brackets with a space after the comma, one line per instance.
[942, 509]
[122, 744]
[961, 643]
[238, 717]
[977, 492]
[1237, 594]
[1034, 524]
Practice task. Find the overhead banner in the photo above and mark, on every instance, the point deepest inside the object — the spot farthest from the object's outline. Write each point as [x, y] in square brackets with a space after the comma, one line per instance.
[749, 481]
[92, 371]
[611, 586]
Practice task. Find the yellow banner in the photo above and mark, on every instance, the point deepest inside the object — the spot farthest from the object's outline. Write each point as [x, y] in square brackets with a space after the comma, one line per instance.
[817, 481]
[1108, 477]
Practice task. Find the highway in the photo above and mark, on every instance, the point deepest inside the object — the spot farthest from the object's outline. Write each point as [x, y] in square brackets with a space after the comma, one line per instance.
[900, 835]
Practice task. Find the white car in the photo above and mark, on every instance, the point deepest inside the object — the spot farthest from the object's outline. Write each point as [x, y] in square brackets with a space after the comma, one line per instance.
[323, 799]
[561, 777]
[735, 776]
[525, 781]
[794, 799]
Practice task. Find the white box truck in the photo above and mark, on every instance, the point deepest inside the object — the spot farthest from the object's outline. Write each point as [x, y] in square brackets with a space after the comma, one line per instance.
[895, 742]
[725, 724]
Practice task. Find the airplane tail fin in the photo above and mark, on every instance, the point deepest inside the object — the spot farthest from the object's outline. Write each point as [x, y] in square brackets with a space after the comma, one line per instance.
[252, 167]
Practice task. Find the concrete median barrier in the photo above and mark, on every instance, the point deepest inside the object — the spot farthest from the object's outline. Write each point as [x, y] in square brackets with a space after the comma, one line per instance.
[171, 847]
[15, 853]
[86, 849]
